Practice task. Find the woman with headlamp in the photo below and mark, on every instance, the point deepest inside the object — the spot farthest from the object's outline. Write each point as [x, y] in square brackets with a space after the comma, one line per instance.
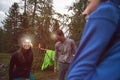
[21, 62]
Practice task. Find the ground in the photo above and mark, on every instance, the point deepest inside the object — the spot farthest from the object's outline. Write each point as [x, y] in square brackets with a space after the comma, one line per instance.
[45, 75]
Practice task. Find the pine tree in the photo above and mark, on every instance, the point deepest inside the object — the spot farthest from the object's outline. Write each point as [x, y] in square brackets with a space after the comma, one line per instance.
[12, 27]
[77, 20]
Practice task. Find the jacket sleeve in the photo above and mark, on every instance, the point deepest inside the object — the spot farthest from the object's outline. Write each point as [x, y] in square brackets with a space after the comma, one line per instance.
[11, 67]
[96, 36]
[73, 47]
[56, 56]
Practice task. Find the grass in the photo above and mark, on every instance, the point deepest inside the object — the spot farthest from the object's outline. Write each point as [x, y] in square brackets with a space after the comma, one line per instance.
[4, 58]
[45, 75]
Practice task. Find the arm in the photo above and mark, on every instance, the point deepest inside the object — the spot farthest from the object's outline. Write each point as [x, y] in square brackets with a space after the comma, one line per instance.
[39, 46]
[73, 47]
[43, 49]
[56, 58]
[97, 34]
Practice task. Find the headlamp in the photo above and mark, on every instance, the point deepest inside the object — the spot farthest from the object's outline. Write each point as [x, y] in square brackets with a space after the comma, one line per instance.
[53, 36]
[28, 40]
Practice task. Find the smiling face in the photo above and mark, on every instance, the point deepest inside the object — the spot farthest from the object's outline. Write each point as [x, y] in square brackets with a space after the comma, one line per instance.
[26, 44]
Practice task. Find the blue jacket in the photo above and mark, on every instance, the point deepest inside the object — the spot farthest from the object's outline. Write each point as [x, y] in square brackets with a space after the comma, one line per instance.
[101, 36]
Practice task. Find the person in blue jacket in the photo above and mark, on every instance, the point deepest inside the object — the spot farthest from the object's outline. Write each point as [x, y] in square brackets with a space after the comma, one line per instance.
[98, 54]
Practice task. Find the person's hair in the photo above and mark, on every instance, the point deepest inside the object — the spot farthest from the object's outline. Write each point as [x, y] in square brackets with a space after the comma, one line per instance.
[59, 32]
[21, 51]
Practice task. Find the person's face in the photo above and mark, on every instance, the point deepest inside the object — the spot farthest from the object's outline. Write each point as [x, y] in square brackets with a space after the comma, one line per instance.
[26, 44]
[58, 38]
[93, 4]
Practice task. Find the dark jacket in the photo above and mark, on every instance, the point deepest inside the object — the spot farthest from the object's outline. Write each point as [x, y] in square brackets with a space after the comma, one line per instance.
[19, 68]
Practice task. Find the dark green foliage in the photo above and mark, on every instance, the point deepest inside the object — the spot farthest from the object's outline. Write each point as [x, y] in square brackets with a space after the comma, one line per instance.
[77, 20]
[11, 29]
[37, 22]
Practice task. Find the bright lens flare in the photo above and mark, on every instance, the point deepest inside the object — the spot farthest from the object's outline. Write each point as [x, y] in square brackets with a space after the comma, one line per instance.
[27, 40]
[53, 36]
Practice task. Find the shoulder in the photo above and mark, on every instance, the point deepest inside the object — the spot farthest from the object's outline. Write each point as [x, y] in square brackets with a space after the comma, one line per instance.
[15, 54]
[70, 40]
[106, 9]
[57, 44]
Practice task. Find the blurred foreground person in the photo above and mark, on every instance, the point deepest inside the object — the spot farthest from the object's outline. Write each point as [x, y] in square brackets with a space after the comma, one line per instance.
[98, 54]
[21, 62]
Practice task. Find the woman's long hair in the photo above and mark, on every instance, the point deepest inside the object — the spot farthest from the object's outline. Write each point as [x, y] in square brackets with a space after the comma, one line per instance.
[23, 51]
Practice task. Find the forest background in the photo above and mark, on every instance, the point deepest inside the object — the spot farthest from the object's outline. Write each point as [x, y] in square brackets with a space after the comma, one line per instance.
[37, 20]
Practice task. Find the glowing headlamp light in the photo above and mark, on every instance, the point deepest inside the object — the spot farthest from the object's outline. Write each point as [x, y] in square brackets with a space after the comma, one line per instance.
[53, 36]
[28, 40]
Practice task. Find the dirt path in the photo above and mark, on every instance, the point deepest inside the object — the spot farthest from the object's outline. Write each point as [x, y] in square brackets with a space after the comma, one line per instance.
[47, 76]
[53, 77]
